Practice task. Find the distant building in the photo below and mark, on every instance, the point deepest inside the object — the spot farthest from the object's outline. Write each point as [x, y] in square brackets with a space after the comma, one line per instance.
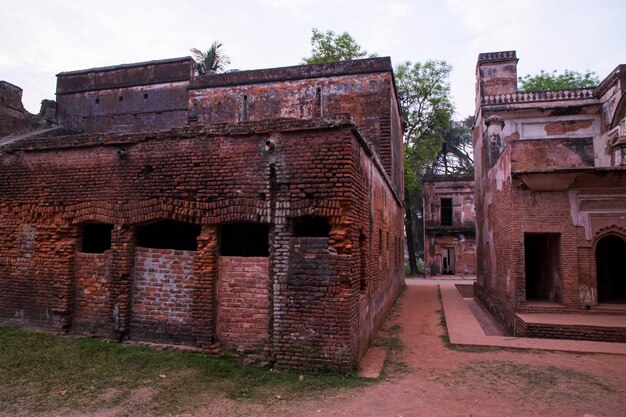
[258, 212]
[449, 225]
[550, 200]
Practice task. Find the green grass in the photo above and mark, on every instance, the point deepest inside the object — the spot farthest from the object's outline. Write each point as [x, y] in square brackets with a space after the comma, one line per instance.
[41, 372]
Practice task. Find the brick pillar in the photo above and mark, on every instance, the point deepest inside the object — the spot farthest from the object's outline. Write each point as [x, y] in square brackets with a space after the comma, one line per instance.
[65, 248]
[205, 277]
[122, 263]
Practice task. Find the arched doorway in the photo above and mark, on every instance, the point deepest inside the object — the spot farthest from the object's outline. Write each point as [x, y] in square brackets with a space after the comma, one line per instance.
[611, 270]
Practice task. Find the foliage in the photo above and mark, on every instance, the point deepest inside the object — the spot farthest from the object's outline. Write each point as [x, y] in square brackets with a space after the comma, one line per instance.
[212, 60]
[424, 93]
[330, 47]
[545, 81]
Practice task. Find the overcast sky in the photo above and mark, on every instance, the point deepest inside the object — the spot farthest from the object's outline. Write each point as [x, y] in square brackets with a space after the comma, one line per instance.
[38, 39]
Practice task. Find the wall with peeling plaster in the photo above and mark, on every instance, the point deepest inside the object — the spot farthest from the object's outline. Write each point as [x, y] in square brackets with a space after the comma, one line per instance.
[460, 235]
[545, 162]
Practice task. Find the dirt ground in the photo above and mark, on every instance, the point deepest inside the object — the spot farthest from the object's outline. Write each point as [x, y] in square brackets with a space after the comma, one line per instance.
[429, 378]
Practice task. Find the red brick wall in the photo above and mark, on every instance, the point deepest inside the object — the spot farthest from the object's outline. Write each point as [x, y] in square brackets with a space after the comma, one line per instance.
[243, 303]
[92, 312]
[162, 295]
[208, 176]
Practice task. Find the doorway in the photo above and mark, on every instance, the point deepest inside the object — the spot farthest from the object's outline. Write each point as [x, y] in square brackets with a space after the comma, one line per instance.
[542, 264]
[447, 267]
[611, 271]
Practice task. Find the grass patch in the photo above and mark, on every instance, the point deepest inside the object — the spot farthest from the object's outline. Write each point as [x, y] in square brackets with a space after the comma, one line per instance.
[536, 382]
[42, 372]
[388, 337]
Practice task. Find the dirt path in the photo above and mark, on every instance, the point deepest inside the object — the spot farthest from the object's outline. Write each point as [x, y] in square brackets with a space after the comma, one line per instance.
[444, 382]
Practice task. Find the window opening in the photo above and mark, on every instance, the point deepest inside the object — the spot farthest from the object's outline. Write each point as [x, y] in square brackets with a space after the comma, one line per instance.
[446, 212]
[244, 239]
[542, 268]
[169, 234]
[244, 115]
[311, 226]
[96, 237]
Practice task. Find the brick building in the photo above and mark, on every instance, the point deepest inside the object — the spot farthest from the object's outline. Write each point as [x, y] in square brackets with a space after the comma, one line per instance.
[255, 211]
[550, 200]
[449, 225]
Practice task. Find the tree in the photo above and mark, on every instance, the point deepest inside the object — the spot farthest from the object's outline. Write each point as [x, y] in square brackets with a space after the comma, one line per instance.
[545, 81]
[212, 60]
[330, 47]
[456, 154]
[424, 93]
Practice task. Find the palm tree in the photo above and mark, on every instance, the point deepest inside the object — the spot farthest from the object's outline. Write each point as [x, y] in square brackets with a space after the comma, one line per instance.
[212, 61]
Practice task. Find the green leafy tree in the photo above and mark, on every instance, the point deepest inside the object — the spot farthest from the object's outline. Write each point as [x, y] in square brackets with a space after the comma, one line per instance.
[545, 81]
[212, 60]
[330, 47]
[424, 93]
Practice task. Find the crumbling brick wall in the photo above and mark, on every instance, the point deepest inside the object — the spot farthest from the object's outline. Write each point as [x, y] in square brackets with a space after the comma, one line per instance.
[160, 145]
[91, 303]
[207, 177]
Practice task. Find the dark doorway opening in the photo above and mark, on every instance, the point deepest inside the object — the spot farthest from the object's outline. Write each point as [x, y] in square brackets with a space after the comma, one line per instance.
[168, 234]
[611, 270]
[244, 239]
[543, 276]
[446, 212]
[447, 261]
[96, 237]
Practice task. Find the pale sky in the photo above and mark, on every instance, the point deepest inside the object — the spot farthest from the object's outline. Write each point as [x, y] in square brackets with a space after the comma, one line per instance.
[39, 39]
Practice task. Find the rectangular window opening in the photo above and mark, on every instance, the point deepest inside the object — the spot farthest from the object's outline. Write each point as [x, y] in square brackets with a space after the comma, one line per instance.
[96, 237]
[311, 226]
[446, 212]
[244, 239]
[542, 267]
[168, 234]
